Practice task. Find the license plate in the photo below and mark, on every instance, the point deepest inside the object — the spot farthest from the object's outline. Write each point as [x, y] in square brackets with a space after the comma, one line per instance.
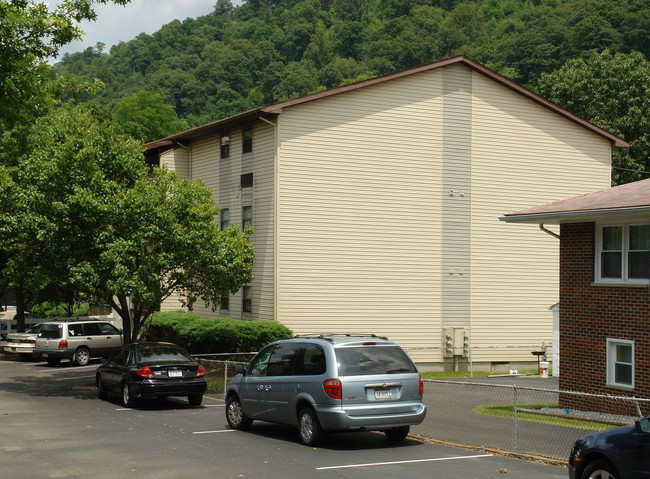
[175, 373]
[383, 394]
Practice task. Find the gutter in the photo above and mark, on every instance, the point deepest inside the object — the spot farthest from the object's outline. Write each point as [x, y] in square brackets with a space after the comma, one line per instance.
[189, 149]
[545, 230]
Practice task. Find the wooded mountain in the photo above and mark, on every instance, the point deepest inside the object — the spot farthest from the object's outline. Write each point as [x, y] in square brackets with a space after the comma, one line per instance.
[264, 51]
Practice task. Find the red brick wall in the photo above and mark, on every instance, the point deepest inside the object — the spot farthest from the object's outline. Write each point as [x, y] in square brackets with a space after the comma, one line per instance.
[591, 314]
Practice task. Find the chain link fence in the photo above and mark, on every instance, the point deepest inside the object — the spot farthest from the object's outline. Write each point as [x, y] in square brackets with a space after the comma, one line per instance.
[220, 367]
[515, 418]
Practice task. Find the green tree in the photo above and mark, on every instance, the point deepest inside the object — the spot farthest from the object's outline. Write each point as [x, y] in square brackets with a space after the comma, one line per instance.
[145, 116]
[90, 219]
[166, 242]
[613, 92]
[30, 34]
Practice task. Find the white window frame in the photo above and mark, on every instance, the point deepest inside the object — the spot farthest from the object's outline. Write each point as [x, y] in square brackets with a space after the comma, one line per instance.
[625, 227]
[611, 363]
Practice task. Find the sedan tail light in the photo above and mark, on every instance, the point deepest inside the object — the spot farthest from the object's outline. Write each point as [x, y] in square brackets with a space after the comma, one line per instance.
[28, 341]
[144, 372]
[333, 388]
[200, 371]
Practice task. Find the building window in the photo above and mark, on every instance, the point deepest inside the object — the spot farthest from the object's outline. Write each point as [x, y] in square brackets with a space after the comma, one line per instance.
[247, 300]
[225, 145]
[247, 216]
[247, 139]
[624, 254]
[225, 219]
[225, 303]
[620, 363]
[246, 180]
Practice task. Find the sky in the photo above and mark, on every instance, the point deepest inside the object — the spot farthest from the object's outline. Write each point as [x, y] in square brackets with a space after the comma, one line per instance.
[116, 23]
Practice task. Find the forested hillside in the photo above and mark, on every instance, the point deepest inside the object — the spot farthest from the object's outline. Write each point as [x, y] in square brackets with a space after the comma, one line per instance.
[263, 51]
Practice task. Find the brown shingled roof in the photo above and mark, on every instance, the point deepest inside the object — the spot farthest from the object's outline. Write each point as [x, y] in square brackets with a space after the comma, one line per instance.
[630, 197]
[276, 109]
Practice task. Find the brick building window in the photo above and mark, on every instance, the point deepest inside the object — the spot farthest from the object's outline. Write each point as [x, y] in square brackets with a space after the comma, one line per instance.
[620, 363]
[624, 253]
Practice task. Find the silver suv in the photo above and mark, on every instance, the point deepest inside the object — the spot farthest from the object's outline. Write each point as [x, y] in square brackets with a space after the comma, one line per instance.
[77, 339]
[329, 383]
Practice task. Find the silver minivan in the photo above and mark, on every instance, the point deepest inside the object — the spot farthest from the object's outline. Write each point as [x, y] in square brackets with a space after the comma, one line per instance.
[329, 383]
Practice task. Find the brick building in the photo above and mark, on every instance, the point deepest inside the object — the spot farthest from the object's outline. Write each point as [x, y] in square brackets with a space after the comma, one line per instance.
[604, 295]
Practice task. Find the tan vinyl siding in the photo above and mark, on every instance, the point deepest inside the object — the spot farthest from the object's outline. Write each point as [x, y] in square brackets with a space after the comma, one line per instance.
[523, 155]
[359, 214]
[176, 160]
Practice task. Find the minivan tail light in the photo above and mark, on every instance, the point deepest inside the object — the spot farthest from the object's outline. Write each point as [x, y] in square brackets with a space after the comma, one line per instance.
[63, 344]
[144, 372]
[200, 371]
[333, 388]
[421, 386]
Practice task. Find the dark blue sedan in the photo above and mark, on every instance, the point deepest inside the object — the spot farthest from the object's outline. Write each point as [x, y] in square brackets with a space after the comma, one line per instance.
[621, 453]
[151, 370]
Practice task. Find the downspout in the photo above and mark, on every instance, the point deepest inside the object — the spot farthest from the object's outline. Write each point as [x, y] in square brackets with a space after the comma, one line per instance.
[276, 196]
[190, 159]
[546, 230]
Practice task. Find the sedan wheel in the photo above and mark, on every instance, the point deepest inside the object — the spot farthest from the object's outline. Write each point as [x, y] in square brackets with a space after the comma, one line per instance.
[235, 415]
[101, 392]
[600, 469]
[127, 400]
[309, 428]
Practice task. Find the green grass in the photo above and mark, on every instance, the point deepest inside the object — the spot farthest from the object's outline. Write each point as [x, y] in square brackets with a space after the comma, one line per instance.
[464, 374]
[506, 410]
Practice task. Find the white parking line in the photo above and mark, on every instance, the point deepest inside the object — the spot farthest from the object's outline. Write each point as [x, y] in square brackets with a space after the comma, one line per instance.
[214, 432]
[402, 462]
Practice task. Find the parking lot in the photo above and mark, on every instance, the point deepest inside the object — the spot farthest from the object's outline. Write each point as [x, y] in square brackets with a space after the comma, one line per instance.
[52, 425]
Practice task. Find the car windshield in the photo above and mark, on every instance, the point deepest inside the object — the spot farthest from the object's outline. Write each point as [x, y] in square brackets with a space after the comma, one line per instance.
[34, 329]
[161, 353]
[51, 331]
[366, 360]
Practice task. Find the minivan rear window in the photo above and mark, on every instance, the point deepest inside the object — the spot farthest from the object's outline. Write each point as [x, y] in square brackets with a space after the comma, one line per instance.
[51, 331]
[366, 360]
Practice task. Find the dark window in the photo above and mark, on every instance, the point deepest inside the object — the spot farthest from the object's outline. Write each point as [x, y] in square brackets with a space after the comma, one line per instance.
[281, 362]
[247, 216]
[122, 355]
[247, 139]
[225, 145]
[258, 365]
[247, 300]
[51, 331]
[310, 360]
[356, 361]
[92, 329]
[108, 329]
[75, 330]
[225, 303]
[161, 353]
[247, 180]
[225, 219]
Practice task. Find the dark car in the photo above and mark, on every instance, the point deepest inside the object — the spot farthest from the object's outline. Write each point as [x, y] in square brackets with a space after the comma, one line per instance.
[621, 453]
[149, 371]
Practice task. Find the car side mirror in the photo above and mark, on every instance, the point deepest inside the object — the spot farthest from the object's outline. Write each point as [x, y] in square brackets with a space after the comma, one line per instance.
[643, 425]
[240, 369]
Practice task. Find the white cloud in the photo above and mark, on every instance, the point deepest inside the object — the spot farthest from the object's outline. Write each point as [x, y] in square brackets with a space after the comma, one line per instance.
[116, 23]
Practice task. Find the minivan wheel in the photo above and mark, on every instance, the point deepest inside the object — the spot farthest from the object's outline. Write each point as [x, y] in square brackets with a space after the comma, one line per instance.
[308, 427]
[235, 415]
[81, 357]
[395, 435]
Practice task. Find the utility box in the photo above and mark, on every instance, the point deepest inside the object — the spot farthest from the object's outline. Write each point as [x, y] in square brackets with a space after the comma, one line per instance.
[455, 342]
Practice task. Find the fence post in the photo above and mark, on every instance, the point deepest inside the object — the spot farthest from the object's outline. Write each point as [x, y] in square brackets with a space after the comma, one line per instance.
[514, 418]
[225, 379]
[471, 366]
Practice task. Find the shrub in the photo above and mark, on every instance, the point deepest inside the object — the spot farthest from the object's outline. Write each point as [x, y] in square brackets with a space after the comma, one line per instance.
[54, 310]
[214, 335]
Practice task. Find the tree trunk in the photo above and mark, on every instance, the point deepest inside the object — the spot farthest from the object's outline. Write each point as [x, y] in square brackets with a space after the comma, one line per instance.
[20, 308]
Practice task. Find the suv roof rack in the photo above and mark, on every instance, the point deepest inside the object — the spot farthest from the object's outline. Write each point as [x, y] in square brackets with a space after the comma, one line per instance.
[331, 336]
